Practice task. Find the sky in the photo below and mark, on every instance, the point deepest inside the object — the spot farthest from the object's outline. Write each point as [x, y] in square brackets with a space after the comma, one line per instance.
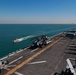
[37, 11]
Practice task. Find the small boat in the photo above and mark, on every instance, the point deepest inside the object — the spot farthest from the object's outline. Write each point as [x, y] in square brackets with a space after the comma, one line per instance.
[18, 40]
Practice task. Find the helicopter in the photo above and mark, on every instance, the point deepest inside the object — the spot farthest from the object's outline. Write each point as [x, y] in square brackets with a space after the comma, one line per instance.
[40, 41]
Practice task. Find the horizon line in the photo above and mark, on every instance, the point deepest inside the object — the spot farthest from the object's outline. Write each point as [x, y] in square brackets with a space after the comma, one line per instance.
[37, 23]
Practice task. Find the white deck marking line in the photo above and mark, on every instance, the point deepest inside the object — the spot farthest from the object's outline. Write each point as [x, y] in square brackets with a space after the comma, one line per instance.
[11, 66]
[17, 73]
[7, 69]
[37, 62]
[16, 60]
[34, 50]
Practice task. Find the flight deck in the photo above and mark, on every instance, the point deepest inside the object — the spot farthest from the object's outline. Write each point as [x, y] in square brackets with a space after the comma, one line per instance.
[42, 61]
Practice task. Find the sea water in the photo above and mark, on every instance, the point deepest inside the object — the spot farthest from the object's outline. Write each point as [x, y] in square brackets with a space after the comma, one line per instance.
[9, 32]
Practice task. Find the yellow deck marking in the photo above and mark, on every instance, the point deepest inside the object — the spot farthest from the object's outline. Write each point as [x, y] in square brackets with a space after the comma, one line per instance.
[31, 58]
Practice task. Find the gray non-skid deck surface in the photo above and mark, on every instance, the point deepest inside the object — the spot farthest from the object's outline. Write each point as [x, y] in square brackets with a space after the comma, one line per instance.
[55, 58]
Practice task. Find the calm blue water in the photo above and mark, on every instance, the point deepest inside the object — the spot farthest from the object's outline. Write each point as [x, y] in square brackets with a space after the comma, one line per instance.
[9, 32]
